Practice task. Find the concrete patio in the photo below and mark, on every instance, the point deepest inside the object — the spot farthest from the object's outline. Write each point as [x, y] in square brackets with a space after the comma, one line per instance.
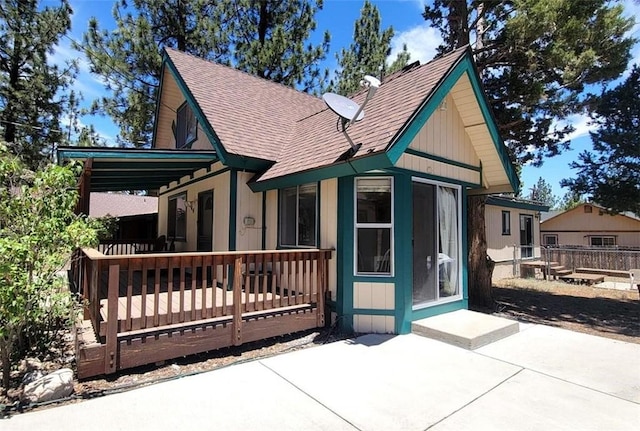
[541, 378]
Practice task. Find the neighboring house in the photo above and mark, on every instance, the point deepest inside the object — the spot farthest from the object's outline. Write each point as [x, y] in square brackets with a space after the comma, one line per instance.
[513, 232]
[137, 215]
[242, 163]
[590, 225]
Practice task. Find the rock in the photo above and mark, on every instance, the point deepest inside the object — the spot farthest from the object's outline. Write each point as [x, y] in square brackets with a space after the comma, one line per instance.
[32, 376]
[56, 385]
[30, 364]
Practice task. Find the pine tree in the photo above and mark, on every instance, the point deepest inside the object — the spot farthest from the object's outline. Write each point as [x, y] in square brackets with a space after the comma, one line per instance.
[543, 193]
[367, 54]
[33, 93]
[570, 200]
[270, 41]
[265, 38]
[534, 58]
[610, 176]
[129, 58]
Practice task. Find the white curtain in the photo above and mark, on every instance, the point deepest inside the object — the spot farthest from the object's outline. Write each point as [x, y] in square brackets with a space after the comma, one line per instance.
[448, 227]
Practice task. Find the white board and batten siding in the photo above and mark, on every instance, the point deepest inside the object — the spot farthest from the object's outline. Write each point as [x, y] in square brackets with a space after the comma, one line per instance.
[172, 98]
[374, 296]
[249, 206]
[444, 136]
[328, 234]
[220, 185]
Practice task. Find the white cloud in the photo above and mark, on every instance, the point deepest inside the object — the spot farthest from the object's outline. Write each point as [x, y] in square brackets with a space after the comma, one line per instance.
[582, 125]
[421, 42]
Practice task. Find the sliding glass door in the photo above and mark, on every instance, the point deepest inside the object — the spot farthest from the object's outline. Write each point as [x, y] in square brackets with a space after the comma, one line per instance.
[436, 242]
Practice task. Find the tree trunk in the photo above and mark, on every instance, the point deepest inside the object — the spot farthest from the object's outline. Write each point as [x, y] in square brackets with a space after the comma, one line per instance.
[480, 265]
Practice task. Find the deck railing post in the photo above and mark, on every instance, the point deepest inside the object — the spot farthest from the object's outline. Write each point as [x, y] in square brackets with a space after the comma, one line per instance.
[111, 338]
[237, 302]
[322, 287]
[94, 292]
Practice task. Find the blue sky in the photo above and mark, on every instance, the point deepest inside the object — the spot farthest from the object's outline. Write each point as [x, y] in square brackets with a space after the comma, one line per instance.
[338, 17]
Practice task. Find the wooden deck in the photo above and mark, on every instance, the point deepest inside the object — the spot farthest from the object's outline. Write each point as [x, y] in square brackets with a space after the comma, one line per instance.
[148, 308]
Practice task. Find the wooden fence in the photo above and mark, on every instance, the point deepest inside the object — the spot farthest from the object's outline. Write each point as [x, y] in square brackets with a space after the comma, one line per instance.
[617, 259]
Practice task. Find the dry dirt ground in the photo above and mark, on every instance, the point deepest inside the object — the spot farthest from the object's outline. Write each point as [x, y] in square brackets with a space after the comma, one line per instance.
[607, 313]
[603, 312]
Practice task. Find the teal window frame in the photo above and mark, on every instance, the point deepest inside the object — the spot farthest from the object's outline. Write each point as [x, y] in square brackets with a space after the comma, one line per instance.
[282, 219]
[184, 118]
[173, 221]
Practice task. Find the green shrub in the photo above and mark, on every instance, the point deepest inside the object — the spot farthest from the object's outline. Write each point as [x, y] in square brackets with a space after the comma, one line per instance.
[38, 232]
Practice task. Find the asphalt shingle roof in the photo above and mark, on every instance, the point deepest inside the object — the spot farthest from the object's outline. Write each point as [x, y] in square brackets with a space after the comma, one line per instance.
[252, 116]
[255, 117]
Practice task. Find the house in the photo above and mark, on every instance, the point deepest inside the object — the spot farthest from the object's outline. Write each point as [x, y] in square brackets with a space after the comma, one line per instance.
[137, 215]
[590, 225]
[513, 232]
[252, 172]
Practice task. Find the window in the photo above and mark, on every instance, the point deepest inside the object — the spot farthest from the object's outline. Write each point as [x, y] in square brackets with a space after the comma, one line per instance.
[602, 241]
[374, 225]
[298, 216]
[506, 223]
[177, 217]
[187, 128]
[550, 239]
[588, 209]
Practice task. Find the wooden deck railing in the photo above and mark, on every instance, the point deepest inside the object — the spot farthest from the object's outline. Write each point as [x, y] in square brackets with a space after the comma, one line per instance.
[126, 246]
[135, 297]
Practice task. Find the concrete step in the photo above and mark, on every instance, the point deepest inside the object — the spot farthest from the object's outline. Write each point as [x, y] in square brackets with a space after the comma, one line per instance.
[561, 272]
[465, 328]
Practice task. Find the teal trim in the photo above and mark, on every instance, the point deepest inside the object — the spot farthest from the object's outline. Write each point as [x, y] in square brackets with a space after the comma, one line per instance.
[137, 166]
[233, 208]
[344, 255]
[264, 220]
[435, 310]
[464, 65]
[229, 159]
[373, 278]
[337, 170]
[318, 213]
[157, 108]
[187, 145]
[208, 130]
[442, 160]
[429, 105]
[437, 178]
[133, 153]
[115, 169]
[373, 312]
[279, 244]
[195, 180]
[492, 126]
[248, 164]
[465, 244]
[403, 229]
[515, 203]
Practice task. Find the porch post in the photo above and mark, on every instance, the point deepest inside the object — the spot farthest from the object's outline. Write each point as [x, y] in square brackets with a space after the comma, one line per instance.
[237, 302]
[111, 338]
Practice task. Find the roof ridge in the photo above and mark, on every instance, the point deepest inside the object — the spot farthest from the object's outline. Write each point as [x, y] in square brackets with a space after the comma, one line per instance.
[230, 68]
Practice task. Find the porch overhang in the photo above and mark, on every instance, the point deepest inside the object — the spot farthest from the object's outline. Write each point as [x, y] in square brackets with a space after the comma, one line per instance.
[117, 169]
